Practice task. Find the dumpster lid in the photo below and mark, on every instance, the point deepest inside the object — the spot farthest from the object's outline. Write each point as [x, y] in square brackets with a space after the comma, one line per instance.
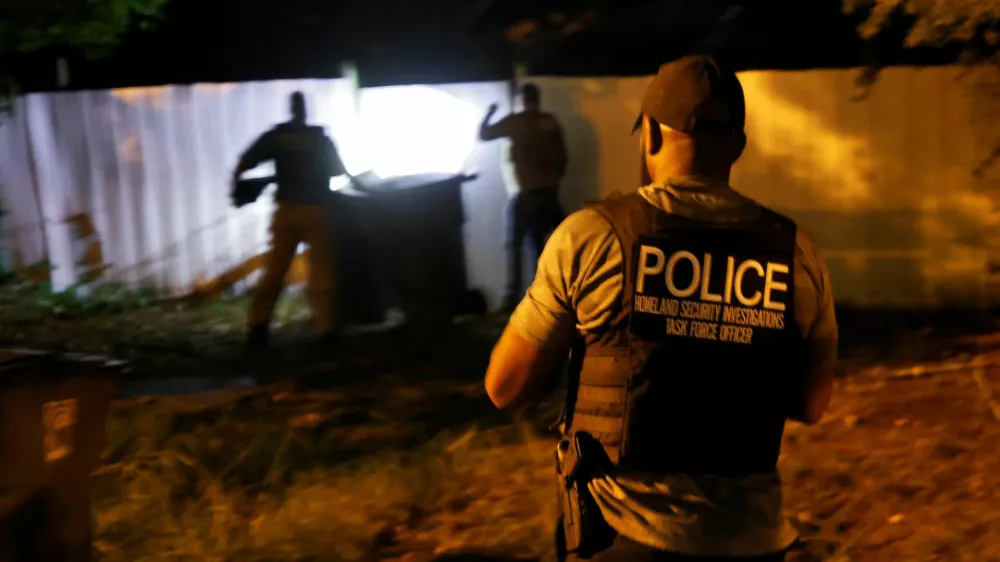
[416, 181]
[387, 186]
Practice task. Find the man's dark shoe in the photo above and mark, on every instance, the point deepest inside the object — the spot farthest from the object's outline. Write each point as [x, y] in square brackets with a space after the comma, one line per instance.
[258, 337]
[324, 356]
[325, 345]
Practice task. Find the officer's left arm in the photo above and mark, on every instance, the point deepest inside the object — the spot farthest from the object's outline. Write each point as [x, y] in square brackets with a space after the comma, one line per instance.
[816, 316]
[334, 165]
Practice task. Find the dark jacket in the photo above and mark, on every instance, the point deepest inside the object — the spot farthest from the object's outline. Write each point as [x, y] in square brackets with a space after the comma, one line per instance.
[304, 160]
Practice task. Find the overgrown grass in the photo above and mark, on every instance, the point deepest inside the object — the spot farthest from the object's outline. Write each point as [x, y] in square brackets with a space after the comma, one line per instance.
[133, 325]
[260, 480]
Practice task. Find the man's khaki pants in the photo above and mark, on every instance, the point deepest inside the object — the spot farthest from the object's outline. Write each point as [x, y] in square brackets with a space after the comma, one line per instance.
[291, 224]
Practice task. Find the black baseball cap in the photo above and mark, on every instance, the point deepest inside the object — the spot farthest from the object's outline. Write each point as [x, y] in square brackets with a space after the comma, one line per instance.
[693, 94]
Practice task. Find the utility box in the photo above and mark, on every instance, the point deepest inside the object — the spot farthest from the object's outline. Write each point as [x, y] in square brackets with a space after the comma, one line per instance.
[53, 415]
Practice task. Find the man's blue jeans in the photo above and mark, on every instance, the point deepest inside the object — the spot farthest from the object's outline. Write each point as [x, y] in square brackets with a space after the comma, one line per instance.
[532, 215]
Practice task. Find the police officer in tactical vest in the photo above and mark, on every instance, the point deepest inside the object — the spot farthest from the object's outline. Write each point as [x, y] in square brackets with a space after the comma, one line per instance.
[304, 160]
[697, 322]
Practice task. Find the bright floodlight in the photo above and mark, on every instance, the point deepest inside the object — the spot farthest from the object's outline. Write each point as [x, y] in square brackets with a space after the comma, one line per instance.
[416, 130]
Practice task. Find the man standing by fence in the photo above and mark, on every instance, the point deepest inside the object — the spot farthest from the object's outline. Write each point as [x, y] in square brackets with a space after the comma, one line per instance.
[538, 154]
[304, 160]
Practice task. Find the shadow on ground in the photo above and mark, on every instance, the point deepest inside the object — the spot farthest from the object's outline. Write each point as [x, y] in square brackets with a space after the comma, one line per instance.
[887, 336]
[479, 557]
[388, 393]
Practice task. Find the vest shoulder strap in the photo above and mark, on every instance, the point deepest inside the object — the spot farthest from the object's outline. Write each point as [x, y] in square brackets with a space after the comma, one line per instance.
[621, 212]
[618, 211]
[630, 216]
[781, 221]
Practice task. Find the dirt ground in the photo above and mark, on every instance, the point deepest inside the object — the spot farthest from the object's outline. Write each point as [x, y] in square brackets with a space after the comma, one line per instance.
[396, 454]
[901, 468]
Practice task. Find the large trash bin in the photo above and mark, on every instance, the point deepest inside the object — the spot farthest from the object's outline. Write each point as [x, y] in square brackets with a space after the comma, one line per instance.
[53, 413]
[403, 237]
[361, 297]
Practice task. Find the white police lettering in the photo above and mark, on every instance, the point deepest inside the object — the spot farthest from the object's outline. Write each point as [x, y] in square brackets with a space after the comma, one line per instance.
[672, 268]
[645, 268]
[705, 302]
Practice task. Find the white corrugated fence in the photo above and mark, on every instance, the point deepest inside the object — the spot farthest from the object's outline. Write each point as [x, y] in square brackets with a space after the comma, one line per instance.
[885, 183]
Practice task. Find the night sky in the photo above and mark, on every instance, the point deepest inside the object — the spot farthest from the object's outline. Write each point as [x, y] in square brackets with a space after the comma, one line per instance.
[436, 41]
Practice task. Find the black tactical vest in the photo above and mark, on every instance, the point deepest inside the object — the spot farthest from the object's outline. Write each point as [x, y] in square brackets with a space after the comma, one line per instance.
[695, 372]
[300, 164]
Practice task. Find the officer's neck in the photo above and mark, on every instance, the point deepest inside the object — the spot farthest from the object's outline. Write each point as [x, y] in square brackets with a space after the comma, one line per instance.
[664, 172]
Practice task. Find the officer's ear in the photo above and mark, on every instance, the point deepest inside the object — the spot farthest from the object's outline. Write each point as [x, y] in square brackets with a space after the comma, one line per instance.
[652, 135]
[739, 144]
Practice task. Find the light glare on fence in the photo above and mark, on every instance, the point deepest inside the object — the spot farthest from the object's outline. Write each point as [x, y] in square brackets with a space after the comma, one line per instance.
[416, 129]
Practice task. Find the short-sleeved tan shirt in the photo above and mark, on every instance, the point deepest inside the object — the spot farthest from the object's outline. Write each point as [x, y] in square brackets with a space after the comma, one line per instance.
[537, 147]
[577, 286]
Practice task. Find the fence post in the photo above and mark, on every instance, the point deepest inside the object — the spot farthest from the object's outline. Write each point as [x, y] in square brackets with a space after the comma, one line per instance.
[4, 266]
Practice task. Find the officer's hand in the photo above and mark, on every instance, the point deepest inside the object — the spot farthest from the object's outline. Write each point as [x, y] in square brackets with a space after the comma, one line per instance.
[493, 109]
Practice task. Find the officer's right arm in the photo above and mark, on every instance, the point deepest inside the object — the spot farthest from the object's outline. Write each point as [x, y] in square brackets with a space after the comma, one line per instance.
[259, 151]
[815, 315]
[576, 286]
